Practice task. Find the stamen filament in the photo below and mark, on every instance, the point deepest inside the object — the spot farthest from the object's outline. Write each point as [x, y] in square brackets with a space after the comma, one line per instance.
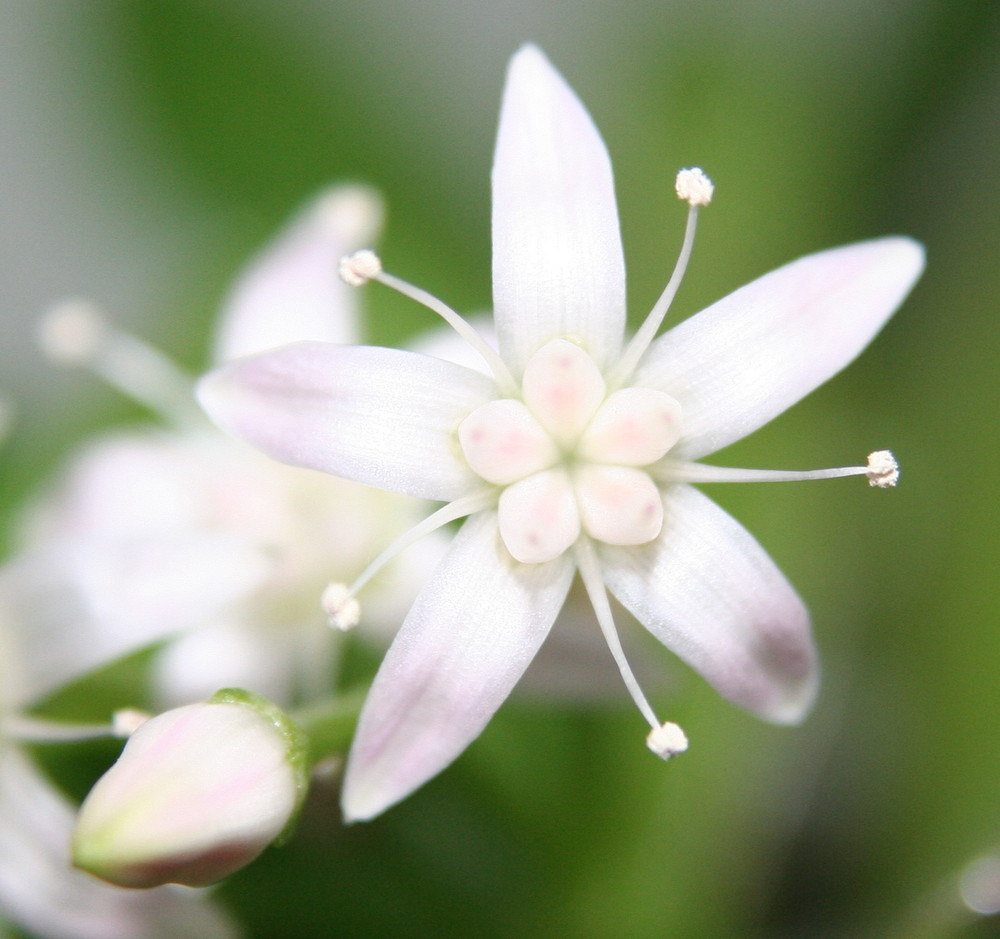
[39, 730]
[647, 332]
[146, 375]
[76, 332]
[340, 601]
[593, 582]
[881, 471]
[508, 387]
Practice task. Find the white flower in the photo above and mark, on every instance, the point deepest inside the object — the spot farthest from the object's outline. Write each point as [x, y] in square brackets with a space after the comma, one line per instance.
[574, 453]
[198, 792]
[179, 532]
[39, 890]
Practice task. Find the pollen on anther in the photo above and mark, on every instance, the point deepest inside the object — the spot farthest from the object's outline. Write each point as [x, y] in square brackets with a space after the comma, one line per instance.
[72, 332]
[694, 187]
[341, 608]
[883, 470]
[126, 721]
[359, 268]
[667, 740]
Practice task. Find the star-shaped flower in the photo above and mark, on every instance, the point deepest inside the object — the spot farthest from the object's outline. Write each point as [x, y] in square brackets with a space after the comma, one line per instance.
[573, 452]
[176, 532]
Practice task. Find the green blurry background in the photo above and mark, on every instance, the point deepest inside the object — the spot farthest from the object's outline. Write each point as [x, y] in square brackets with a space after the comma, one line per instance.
[150, 147]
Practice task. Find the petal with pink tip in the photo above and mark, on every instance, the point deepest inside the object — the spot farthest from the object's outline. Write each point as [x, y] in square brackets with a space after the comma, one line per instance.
[378, 416]
[745, 359]
[558, 268]
[563, 388]
[539, 519]
[503, 442]
[634, 427]
[469, 637]
[708, 591]
[291, 291]
[618, 504]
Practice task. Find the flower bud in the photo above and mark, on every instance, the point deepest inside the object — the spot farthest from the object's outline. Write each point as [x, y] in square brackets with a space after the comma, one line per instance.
[197, 793]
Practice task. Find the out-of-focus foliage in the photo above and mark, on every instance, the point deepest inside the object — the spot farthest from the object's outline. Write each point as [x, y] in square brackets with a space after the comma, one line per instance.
[154, 145]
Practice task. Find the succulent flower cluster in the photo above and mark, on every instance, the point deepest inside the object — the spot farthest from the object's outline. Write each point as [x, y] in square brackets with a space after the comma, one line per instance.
[570, 451]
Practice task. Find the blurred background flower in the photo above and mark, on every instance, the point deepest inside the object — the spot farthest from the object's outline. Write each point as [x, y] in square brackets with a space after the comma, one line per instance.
[151, 147]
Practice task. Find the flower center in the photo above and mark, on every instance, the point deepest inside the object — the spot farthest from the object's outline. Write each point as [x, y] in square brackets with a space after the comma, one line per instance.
[568, 456]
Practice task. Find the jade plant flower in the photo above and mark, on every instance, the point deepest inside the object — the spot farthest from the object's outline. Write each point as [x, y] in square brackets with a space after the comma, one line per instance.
[572, 452]
[174, 533]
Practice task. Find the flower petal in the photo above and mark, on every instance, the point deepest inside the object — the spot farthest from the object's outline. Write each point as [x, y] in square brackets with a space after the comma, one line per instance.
[378, 416]
[634, 427]
[708, 591]
[538, 517]
[503, 442]
[291, 292]
[467, 640]
[563, 388]
[618, 504]
[558, 268]
[742, 361]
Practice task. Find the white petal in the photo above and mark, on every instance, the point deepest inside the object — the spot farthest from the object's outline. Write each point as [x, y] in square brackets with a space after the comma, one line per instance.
[467, 640]
[118, 597]
[378, 416]
[710, 593]
[742, 361]
[291, 292]
[503, 442]
[618, 504]
[539, 519]
[45, 896]
[563, 388]
[634, 427]
[557, 257]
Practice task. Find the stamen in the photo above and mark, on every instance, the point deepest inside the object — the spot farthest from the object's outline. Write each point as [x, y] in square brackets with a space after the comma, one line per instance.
[647, 332]
[664, 739]
[339, 601]
[39, 730]
[126, 721]
[362, 266]
[76, 332]
[694, 187]
[667, 740]
[882, 470]
[342, 610]
[357, 269]
[73, 332]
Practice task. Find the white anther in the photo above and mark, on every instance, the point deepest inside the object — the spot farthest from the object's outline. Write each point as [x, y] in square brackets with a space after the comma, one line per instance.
[351, 213]
[694, 187]
[883, 470]
[359, 268]
[126, 721]
[72, 332]
[341, 607]
[667, 740]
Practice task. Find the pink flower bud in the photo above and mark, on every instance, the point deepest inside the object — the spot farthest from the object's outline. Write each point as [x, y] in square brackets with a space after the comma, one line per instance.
[197, 793]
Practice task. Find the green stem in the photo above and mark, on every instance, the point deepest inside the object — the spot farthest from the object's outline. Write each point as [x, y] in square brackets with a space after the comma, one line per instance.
[329, 725]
